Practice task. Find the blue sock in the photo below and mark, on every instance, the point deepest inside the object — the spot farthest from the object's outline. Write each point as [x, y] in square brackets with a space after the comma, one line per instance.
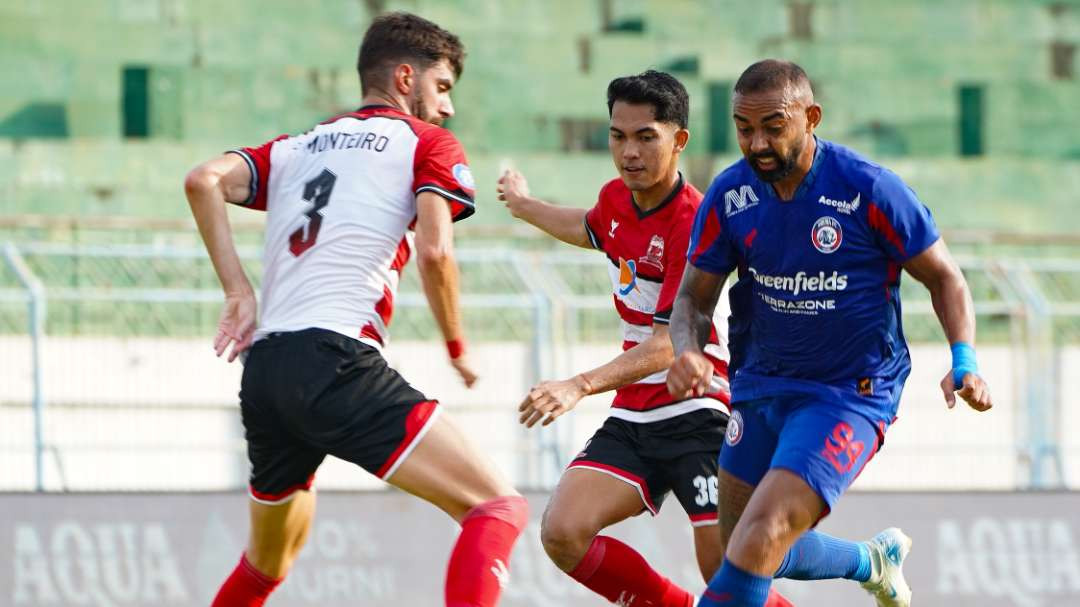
[733, 587]
[816, 556]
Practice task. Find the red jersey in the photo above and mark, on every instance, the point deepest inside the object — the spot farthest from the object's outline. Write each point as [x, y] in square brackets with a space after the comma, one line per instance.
[341, 200]
[646, 251]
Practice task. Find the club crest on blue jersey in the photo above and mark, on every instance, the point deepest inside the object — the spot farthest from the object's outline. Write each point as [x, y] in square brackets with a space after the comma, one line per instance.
[826, 235]
[734, 429]
[627, 276]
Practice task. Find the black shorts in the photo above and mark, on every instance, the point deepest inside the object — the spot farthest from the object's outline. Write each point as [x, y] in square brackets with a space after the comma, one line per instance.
[307, 394]
[677, 454]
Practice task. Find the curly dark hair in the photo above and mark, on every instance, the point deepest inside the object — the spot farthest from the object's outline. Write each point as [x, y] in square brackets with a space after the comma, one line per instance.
[397, 38]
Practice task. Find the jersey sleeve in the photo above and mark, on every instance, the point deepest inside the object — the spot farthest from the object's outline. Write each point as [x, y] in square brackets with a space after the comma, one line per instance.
[710, 248]
[674, 265]
[903, 224]
[258, 161]
[594, 222]
[440, 166]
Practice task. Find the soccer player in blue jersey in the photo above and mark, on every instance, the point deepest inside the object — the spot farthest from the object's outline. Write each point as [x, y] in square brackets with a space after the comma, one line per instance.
[819, 236]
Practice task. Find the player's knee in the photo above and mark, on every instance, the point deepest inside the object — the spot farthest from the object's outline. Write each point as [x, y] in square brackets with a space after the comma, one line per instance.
[511, 509]
[463, 504]
[566, 541]
[762, 532]
[274, 558]
[483, 491]
[274, 563]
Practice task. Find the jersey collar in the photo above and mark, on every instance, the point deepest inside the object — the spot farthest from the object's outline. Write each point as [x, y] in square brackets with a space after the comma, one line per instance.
[666, 201]
[815, 168]
[375, 107]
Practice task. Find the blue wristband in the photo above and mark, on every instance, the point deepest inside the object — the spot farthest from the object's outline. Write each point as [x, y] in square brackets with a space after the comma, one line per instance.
[963, 362]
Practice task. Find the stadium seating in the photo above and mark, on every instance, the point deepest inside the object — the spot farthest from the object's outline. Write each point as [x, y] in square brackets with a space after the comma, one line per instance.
[194, 77]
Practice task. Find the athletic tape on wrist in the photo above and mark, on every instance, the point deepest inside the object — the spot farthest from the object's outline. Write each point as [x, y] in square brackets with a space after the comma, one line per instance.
[455, 348]
[963, 362]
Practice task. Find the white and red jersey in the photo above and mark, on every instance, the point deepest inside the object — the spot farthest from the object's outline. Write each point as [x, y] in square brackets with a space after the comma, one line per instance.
[341, 202]
[646, 251]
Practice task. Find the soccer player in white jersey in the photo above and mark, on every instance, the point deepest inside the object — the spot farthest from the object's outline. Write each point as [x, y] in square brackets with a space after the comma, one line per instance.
[342, 200]
[652, 444]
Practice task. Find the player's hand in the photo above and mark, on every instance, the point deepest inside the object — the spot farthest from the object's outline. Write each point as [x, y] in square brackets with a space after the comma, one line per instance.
[464, 369]
[236, 325]
[690, 375]
[975, 392]
[513, 189]
[551, 399]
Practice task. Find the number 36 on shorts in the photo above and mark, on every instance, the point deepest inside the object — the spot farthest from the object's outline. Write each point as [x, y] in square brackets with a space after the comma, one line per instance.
[707, 490]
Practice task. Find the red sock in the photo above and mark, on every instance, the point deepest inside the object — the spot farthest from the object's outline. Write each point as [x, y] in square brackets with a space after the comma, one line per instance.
[777, 600]
[246, 587]
[618, 573]
[478, 565]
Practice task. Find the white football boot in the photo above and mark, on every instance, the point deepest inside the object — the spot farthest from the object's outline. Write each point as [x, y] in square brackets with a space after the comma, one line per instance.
[888, 550]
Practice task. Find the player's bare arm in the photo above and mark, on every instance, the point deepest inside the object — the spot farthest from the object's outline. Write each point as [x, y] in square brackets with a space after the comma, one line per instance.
[554, 398]
[951, 297]
[691, 322]
[565, 223]
[439, 275]
[208, 187]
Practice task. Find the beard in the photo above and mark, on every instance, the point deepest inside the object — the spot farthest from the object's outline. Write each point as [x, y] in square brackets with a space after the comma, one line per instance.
[784, 165]
[420, 110]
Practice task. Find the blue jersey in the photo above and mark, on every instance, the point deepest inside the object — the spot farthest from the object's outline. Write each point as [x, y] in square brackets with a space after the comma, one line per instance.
[819, 275]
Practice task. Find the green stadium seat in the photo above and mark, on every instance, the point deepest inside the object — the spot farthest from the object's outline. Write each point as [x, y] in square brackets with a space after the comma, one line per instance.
[887, 74]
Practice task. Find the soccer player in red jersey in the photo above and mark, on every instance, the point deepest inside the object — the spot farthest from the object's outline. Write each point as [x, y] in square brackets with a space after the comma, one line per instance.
[651, 444]
[342, 203]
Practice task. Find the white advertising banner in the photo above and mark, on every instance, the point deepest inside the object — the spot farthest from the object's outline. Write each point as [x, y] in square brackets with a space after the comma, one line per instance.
[385, 549]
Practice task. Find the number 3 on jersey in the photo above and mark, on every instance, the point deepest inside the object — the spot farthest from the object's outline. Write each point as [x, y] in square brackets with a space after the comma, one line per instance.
[316, 191]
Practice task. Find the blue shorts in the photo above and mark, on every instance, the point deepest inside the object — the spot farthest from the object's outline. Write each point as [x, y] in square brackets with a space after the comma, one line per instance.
[825, 444]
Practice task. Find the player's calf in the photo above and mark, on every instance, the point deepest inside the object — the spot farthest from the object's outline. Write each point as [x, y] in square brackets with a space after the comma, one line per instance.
[708, 549]
[479, 565]
[620, 574]
[585, 502]
[278, 532]
[246, 586]
[818, 556]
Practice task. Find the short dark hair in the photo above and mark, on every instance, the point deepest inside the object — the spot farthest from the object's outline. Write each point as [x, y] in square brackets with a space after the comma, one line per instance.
[405, 38]
[662, 91]
[769, 75]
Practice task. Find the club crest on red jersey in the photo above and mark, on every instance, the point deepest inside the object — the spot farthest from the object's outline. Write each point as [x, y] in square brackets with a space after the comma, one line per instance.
[654, 255]
[826, 235]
